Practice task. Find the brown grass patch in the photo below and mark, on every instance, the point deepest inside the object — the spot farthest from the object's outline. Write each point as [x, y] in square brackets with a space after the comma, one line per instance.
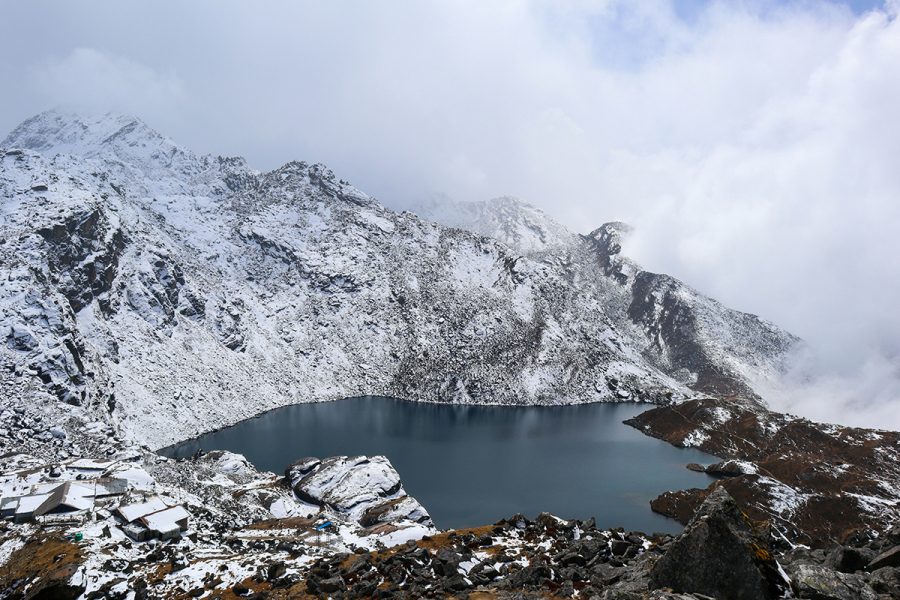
[47, 560]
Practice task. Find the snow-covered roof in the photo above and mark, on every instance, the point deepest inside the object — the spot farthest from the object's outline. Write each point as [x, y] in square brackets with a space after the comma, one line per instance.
[70, 494]
[109, 486]
[45, 487]
[8, 502]
[136, 476]
[132, 512]
[166, 520]
[28, 504]
[104, 486]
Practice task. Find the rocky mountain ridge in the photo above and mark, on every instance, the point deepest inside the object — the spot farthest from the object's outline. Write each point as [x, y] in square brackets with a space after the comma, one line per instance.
[127, 257]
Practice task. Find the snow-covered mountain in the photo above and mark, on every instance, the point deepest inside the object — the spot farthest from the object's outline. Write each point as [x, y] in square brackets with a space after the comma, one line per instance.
[699, 341]
[172, 293]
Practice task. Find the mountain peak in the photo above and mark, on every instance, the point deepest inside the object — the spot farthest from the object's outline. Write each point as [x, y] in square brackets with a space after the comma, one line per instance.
[143, 157]
[60, 132]
[610, 235]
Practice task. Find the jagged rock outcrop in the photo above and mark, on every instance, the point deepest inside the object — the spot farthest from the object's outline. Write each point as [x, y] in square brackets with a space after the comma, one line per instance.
[720, 554]
[366, 489]
[822, 583]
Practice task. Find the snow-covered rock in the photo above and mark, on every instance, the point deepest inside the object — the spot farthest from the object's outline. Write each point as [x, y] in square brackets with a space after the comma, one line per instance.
[366, 489]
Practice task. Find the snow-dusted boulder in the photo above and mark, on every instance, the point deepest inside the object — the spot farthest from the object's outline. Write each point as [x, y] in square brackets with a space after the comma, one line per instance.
[367, 489]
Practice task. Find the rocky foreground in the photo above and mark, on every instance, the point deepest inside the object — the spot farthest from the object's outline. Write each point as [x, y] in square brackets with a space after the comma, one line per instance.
[721, 554]
[343, 527]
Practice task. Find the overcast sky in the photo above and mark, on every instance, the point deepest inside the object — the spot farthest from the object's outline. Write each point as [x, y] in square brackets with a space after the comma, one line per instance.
[755, 145]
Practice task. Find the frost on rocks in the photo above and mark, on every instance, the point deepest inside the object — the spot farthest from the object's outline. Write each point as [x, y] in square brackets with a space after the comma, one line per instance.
[817, 483]
[217, 520]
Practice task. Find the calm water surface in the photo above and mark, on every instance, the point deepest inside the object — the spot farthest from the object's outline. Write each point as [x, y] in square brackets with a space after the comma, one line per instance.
[473, 465]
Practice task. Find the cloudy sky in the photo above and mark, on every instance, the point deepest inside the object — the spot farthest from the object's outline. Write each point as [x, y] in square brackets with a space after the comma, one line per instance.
[754, 145]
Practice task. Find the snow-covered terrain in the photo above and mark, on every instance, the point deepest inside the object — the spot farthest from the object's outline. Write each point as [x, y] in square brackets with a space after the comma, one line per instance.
[171, 294]
[240, 523]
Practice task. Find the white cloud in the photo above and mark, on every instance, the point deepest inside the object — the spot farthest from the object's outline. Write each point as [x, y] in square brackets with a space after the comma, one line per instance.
[92, 80]
[796, 216]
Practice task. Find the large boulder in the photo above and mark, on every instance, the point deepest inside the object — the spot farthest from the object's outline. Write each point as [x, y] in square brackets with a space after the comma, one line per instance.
[822, 583]
[367, 489]
[720, 554]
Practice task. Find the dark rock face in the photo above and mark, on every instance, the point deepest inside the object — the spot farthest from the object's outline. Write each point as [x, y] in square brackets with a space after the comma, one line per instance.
[886, 581]
[848, 560]
[720, 555]
[671, 322]
[674, 321]
[83, 254]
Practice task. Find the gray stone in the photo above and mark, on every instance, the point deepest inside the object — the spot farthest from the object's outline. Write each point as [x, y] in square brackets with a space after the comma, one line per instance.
[886, 580]
[848, 560]
[822, 583]
[332, 584]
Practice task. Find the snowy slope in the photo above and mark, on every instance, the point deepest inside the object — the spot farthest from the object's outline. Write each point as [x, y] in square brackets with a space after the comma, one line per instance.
[171, 294]
[516, 224]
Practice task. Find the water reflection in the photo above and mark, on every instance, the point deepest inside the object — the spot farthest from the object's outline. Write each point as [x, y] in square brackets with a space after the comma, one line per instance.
[472, 465]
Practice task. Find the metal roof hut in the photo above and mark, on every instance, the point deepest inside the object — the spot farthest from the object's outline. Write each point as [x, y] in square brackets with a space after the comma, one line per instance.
[8, 506]
[167, 523]
[66, 498]
[26, 506]
[108, 486]
[153, 518]
[133, 512]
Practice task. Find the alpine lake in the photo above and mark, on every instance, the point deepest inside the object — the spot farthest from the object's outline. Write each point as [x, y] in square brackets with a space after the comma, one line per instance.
[474, 465]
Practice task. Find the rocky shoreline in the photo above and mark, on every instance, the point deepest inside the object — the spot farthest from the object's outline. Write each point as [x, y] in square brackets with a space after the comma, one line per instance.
[818, 484]
[721, 554]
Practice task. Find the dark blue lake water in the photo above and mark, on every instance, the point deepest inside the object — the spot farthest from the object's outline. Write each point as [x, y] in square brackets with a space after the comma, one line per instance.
[473, 465]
